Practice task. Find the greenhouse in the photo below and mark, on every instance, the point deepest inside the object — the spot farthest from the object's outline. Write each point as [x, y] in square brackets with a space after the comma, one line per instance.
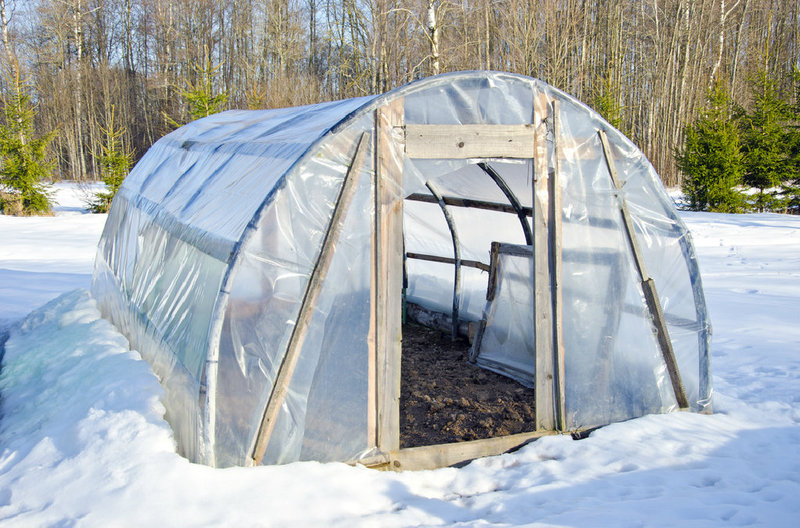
[271, 266]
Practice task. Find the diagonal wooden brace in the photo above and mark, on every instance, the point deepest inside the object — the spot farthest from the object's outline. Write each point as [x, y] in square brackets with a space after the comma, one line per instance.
[648, 285]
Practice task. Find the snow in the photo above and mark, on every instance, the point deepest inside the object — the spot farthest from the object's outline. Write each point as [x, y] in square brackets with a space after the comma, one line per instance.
[83, 441]
[41, 257]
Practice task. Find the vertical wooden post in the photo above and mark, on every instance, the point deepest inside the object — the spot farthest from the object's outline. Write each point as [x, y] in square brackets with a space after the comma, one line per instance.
[494, 262]
[388, 283]
[555, 271]
[542, 298]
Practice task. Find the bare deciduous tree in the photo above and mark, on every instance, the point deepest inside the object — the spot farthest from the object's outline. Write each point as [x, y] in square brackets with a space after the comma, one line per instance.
[651, 60]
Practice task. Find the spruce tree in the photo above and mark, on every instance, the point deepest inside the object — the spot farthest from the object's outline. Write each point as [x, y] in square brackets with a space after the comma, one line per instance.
[200, 96]
[766, 139]
[23, 155]
[711, 158]
[791, 187]
[606, 103]
[115, 163]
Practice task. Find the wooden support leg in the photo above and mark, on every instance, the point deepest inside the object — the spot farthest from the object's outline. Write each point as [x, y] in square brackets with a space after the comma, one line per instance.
[286, 369]
[648, 285]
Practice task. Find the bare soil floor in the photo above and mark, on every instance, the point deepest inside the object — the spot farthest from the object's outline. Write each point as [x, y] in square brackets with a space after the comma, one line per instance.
[444, 398]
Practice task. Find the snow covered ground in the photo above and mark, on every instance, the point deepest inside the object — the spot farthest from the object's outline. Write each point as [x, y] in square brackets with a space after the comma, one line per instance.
[42, 257]
[83, 441]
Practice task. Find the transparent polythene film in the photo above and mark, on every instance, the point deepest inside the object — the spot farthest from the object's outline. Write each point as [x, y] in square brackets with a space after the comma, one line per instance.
[211, 176]
[426, 232]
[614, 367]
[325, 413]
[211, 243]
[160, 292]
[270, 281]
[172, 229]
[671, 259]
[468, 99]
[506, 345]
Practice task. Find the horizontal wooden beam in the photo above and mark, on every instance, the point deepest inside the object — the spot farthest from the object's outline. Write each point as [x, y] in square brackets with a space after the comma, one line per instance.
[444, 455]
[515, 250]
[467, 202]
[448, 260]
[469, 141]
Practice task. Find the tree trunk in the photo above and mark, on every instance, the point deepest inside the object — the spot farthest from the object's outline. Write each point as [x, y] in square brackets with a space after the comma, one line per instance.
[433, 36]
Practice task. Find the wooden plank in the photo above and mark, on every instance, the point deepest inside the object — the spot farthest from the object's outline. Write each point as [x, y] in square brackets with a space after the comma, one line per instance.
[467, 202]
[515, 250]
[313, 289]
[541, 112]
[476, 341]
[627, 221]
[444, 455]
[372, 339]
[664, 342]
[542, 298]
[469, 141]
[555, 273]
[491, 287]
[449, 260]
[648, 285]
[389, 271]
[494, 262]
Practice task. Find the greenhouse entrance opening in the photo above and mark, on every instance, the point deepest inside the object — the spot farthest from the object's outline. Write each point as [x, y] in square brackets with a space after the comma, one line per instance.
[468, 197]
[450, 249]
[444, 398]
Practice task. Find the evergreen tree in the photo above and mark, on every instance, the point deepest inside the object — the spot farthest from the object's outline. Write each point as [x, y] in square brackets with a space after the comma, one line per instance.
[711, 158]
[200, 96]
[23, 159]
[606, 102]
[115, 163]
[766, 139]
[791, 187]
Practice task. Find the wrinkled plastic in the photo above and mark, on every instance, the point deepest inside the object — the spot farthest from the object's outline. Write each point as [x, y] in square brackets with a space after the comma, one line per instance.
[210, 245]
[507, 342]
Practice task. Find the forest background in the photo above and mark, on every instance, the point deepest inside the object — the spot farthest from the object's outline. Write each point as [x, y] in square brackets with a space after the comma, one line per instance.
[107, 78]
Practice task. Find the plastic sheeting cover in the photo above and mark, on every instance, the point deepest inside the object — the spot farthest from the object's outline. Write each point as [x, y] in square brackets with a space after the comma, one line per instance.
[211, 242]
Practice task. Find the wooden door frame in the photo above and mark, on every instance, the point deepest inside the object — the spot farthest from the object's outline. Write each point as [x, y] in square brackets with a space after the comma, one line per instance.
[394, 141]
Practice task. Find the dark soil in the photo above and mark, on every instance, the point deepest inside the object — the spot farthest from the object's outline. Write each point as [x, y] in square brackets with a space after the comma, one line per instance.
[444, 398]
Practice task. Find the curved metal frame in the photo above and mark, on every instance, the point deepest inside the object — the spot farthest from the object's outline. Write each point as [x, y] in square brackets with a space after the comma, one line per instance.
[512, 199]
[434, 190]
